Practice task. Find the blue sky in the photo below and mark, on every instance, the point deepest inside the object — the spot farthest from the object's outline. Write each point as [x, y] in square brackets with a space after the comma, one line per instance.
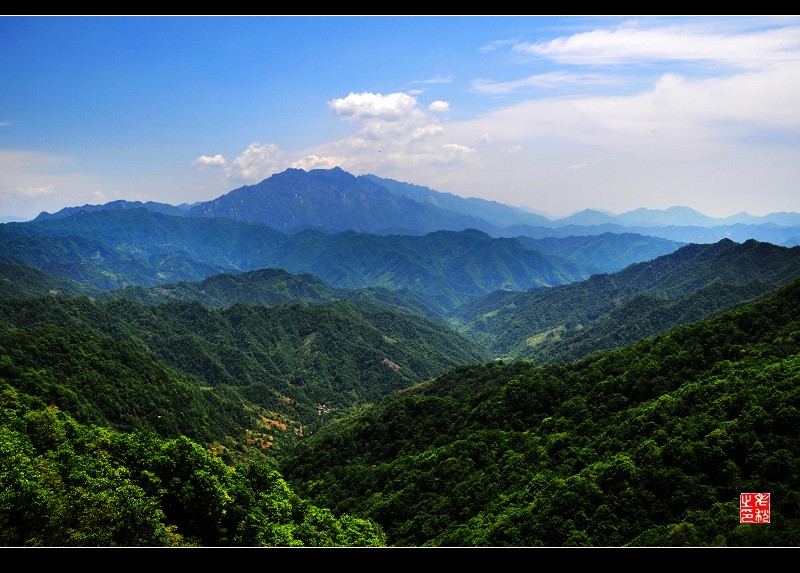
[558, 114]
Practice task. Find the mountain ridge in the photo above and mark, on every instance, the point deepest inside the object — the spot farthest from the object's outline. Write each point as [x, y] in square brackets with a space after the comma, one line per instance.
[333, 200]
[519, 325]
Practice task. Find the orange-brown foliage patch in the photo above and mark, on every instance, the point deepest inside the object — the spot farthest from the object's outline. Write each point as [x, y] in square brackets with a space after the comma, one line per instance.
[275, 423]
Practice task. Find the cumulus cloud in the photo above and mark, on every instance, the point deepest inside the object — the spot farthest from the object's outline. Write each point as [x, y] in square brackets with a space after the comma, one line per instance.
[310, 162]
[390, 107]
[209, 161]
[395, 134]
[101, 197]
[454, 153]
[427, 131]
[257, 162]
[382, 117]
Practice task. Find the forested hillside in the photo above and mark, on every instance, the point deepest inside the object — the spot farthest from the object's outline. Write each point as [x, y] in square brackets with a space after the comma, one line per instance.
[288, 359]
[649, 445]
[603, 253]
[112, 249]
[568, 322]
[69, 485]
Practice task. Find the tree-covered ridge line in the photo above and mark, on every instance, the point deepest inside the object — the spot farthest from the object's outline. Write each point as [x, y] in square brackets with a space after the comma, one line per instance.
[114, 249]
[19, 281]
[567, 322]
[107, 382]
[287, 359]
[648, 445]
[562, 322]
[272, 287]
[605, 252]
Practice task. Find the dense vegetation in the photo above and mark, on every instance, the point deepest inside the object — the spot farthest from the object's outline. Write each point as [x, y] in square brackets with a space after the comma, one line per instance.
[103, 381]
[271, 287]
[288, 359]
[66, 484]
[644, 446]
[113, 249]
[603, 253]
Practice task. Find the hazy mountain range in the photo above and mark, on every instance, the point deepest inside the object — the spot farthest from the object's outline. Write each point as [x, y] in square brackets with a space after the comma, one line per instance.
[333, 200]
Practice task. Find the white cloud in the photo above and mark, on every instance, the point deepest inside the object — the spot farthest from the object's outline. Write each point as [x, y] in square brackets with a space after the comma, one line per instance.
[427, 131]
[395, 135]
[391, 107]
[548, 80]
[100, 197]
[498, 44]
[678, 115]
[577, 166]
[454, 153]
[209, 161]
[34, 182]
[257, 162]
[436, 80]
[621, 45]
[25, 192]
[17, 161]
[310, 162]
[382, 117]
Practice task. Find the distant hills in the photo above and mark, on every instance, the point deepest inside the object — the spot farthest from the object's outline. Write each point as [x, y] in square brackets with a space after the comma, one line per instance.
[568, 322]
[518, 298]
[117, 248]
[277, 243]
[332, 200]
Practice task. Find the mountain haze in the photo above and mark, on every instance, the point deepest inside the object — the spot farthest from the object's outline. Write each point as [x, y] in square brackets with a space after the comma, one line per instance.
[137, 247]
[329, 200]
[333, 200]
